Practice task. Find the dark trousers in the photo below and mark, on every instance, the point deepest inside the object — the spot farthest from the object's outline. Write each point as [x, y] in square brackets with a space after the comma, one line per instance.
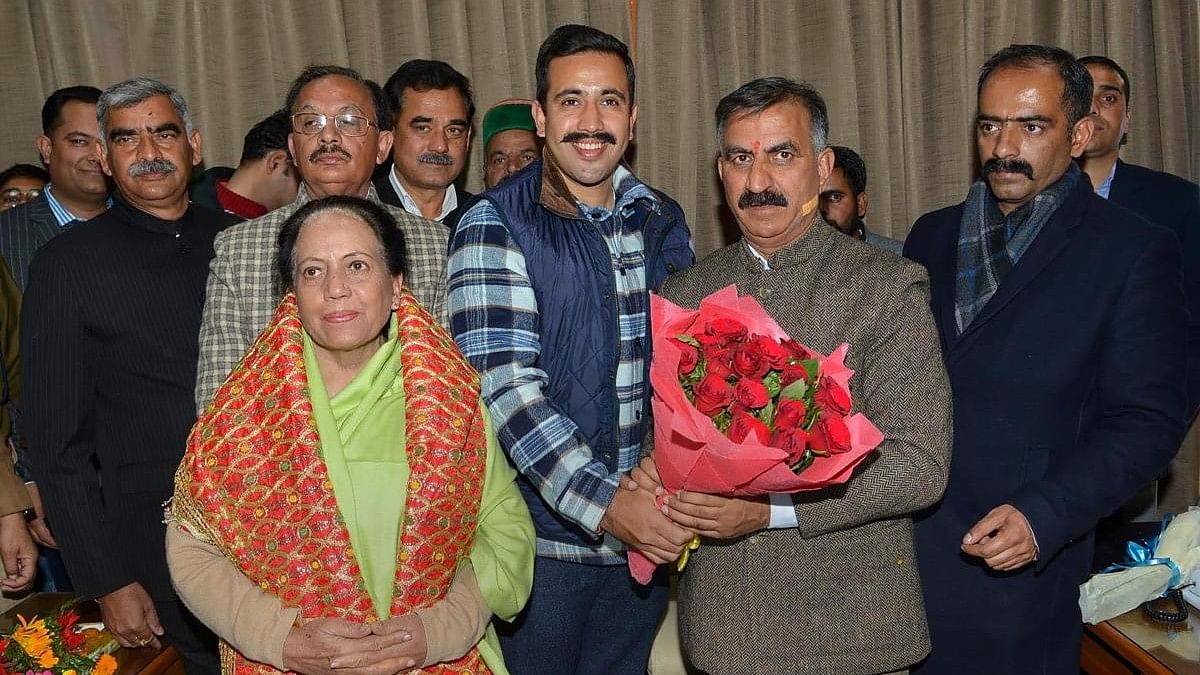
[584, 620]
[196, 644]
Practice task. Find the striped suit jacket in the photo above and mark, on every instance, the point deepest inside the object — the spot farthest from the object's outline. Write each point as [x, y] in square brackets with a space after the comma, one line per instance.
[23, 230]
[244, 287]
[840, 592]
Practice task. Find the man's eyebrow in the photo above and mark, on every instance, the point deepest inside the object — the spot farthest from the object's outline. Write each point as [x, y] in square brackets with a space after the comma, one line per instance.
[1109, 87]
[166, 126]
[734, 150]
[785, 145]
[420, 119]
[121, 132]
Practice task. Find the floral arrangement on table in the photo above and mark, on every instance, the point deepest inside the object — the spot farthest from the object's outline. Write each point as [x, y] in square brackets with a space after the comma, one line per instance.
[741, 409]
[53, 645]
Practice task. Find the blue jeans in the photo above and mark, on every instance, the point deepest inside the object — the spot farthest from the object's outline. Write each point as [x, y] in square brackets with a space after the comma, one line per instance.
[584, 620]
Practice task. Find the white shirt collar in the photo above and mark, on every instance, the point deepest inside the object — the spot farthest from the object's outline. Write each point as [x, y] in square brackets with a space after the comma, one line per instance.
[449, 201]
[762, 260]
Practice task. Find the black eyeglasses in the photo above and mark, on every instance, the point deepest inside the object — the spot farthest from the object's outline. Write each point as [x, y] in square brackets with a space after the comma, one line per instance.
[308, 123]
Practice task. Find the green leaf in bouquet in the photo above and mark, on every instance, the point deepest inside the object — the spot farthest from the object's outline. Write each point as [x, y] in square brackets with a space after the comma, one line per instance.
[795, 390]
[811, 366]
[766, 414]
[771, 382]
[805, 461]
[684, 337]
[723, 420]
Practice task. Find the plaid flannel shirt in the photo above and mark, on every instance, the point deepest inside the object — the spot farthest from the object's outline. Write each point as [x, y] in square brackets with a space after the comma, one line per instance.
[244, 286]
[494, 316]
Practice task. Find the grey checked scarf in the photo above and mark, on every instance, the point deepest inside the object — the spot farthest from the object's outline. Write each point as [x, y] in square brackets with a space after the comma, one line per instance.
[990, 244]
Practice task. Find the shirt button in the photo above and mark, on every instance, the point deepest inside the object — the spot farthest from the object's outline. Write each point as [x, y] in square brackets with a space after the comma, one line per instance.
[764, 293]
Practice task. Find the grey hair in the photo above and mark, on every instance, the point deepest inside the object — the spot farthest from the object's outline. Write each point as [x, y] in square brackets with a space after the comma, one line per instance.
[132, 92]
[758, 95]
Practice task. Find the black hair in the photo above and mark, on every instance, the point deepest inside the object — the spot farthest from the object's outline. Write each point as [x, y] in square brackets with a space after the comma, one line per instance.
[853, 166]
[391, 238]
[1077, 82]
[571, 39]
[383, 111]
[53, 107]
[1111, 65]
[425, 75]
[269, 134]
[758, 95]
[24, 171]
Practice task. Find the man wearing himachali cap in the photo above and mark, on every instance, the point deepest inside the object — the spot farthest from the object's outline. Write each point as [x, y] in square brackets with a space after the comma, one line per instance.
[509, 140]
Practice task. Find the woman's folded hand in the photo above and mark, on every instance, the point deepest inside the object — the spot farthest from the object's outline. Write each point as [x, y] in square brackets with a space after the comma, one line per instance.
[339, 647]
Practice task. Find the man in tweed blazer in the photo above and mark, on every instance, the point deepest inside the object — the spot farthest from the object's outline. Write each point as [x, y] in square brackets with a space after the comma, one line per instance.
[826, 581]
[340, 130]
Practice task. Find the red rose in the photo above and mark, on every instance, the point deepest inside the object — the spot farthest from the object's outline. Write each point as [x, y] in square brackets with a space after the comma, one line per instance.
[791, 373]
[749, 362]
[744, 426]
[776, 354]
[790, 414]
[729, 329]
[706, 341]
[688, 356]
[832, 397]
[792, 441]
[717, 362]
[751, 393]
[799, 351]
[713, 393]
[830, 435]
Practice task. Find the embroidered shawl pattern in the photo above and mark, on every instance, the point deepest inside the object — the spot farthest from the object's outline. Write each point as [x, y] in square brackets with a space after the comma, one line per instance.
[254, 484]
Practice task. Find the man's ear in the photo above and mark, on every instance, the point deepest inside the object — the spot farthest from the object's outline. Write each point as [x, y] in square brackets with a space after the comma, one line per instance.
[1081, 135]
[45, 149]
[539, 118]
[862, 205]
[824, 167]
[197, 148]
[385, 147]
[277, 160]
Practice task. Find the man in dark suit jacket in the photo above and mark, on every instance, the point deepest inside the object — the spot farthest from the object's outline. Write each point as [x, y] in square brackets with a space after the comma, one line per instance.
[816, 582]
[1161, 198]
[109, 352]
[77, 190]
[433, 108]
[1060, 324]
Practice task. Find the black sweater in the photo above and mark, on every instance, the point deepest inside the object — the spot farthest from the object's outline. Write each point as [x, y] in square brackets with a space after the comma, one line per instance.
[109, 345]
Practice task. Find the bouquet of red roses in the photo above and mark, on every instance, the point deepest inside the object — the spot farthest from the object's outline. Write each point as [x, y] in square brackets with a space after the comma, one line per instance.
[741, 409]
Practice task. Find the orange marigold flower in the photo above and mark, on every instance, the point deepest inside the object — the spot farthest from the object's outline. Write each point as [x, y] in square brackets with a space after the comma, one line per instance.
[105, 665]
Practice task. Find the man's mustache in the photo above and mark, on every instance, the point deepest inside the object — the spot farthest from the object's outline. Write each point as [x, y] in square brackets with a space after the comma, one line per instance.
[576, 136]
[749, 199]
[329, 149]
[145, 166]
[438, 158]
[1012, 165]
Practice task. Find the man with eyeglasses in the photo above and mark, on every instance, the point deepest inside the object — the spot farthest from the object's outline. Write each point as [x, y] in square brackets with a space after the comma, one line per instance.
[20, 183]
[341, 129]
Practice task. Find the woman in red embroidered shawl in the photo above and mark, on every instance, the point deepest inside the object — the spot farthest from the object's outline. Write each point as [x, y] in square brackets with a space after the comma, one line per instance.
[343, 506]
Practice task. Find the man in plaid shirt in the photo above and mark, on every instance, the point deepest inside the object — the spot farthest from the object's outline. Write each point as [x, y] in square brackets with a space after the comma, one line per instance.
[548, 296]
[341, 129]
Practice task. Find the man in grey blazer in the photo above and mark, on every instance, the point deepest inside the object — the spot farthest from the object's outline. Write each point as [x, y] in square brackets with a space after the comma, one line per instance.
[341, 129]
[826, 581]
